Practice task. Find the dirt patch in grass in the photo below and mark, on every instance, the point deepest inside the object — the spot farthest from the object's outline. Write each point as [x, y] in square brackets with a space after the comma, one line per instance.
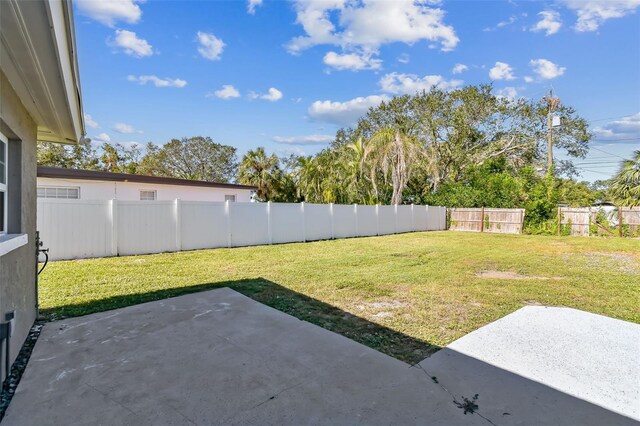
[510, 275]
[394, 304]
[622, 262]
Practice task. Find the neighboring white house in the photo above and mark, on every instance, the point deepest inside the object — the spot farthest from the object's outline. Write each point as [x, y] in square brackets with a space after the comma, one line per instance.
[54, 182]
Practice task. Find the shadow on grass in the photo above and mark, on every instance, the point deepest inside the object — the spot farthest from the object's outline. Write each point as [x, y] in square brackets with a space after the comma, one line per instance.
[376, 336]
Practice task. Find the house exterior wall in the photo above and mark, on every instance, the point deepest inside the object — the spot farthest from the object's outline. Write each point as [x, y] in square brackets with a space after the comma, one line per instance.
[130, 191]
[18, 267]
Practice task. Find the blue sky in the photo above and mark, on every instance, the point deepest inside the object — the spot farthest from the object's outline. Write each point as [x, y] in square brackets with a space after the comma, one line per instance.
[287, 74]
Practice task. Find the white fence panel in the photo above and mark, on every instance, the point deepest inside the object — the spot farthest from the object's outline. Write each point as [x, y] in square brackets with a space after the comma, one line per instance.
[287, 223]
[386, 220]
[432, 218]
[367, 221]
[146, 227]
[318, 222]
[249, 224]
[403, 219]
[81, 229]
[203, 225]
[74, 229]
[344, 221]
[420, 218]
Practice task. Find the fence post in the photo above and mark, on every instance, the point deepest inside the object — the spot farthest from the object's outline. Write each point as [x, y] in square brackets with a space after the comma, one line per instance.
[269, 228]
[355, 214]
[178, 220]
[331, 216]
[620, 216]
[113, 204]
[413, 221]
[304, 230]
[228, 220]
[482, 219]
[443, 217]
[377, 219]
[559, 219]
[395, 218]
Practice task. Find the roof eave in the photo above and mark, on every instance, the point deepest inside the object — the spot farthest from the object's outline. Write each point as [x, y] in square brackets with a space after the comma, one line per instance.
[38, 57]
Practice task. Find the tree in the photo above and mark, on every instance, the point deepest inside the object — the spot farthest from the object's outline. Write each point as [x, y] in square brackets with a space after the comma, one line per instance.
[392, 150]
[196, 158]
[261, 170]
[79, 156]
[117, 158]
[625, 185]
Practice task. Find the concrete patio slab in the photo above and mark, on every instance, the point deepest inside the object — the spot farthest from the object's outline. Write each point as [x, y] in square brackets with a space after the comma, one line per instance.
[591, 357]
[218, 357]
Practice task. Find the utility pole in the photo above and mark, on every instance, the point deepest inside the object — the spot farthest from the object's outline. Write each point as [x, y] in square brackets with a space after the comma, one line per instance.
[552, 105]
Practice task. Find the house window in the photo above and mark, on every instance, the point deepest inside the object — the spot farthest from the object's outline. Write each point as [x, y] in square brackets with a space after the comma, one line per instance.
[64, 192]
[146, 195]
[230, 198]
[3, 184]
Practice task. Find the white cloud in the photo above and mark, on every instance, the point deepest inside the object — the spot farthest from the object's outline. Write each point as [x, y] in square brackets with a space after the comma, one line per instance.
[157, 81]
[227, 92]
[626, 129]
[459, 68]
[272, 95]
[351, 61]
[125, 128]
[252, 5]
[90, 122]
[401, 84]
[528, 79]
[344, 113]
[132, 45]
[286, 151]
[550, 22]
[364, 26]
[546, 69]
[404, 58]
[512, 19]
[510, 93]
[501, 71]
[593, 13]
[211, 47]
[304, 140]
[102, 137]
[108, 12]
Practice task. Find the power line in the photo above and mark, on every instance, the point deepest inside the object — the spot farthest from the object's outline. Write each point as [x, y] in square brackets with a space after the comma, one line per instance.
[596, 171]
[615, 140]
[608, 118]
[608, 153]
[604, 161]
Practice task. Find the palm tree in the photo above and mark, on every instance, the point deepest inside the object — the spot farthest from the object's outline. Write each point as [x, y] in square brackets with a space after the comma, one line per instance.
[625, 186]
[391, 150]
[262, 171]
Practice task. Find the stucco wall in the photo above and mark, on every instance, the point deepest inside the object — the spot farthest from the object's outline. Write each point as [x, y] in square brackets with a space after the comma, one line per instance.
[17, 268]
[130, 191]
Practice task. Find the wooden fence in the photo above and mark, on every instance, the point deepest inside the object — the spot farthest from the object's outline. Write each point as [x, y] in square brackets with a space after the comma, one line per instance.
[590, 221]
[497, 221]
[629, 221]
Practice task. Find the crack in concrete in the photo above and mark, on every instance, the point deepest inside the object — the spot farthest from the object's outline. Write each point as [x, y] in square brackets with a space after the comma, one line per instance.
[110, 398]
[456, 402]
[271, 398]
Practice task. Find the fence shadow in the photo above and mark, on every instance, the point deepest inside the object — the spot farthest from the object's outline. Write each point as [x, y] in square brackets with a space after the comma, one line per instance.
[376, 336]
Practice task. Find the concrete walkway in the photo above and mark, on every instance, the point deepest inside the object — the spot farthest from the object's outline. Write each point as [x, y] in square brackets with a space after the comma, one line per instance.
[218, 357]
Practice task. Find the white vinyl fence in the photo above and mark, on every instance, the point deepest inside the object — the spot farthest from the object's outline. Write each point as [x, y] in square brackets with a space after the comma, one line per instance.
[77, 229]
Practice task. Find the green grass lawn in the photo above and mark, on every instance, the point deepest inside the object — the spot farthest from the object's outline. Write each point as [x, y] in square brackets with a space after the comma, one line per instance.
[405, 295]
